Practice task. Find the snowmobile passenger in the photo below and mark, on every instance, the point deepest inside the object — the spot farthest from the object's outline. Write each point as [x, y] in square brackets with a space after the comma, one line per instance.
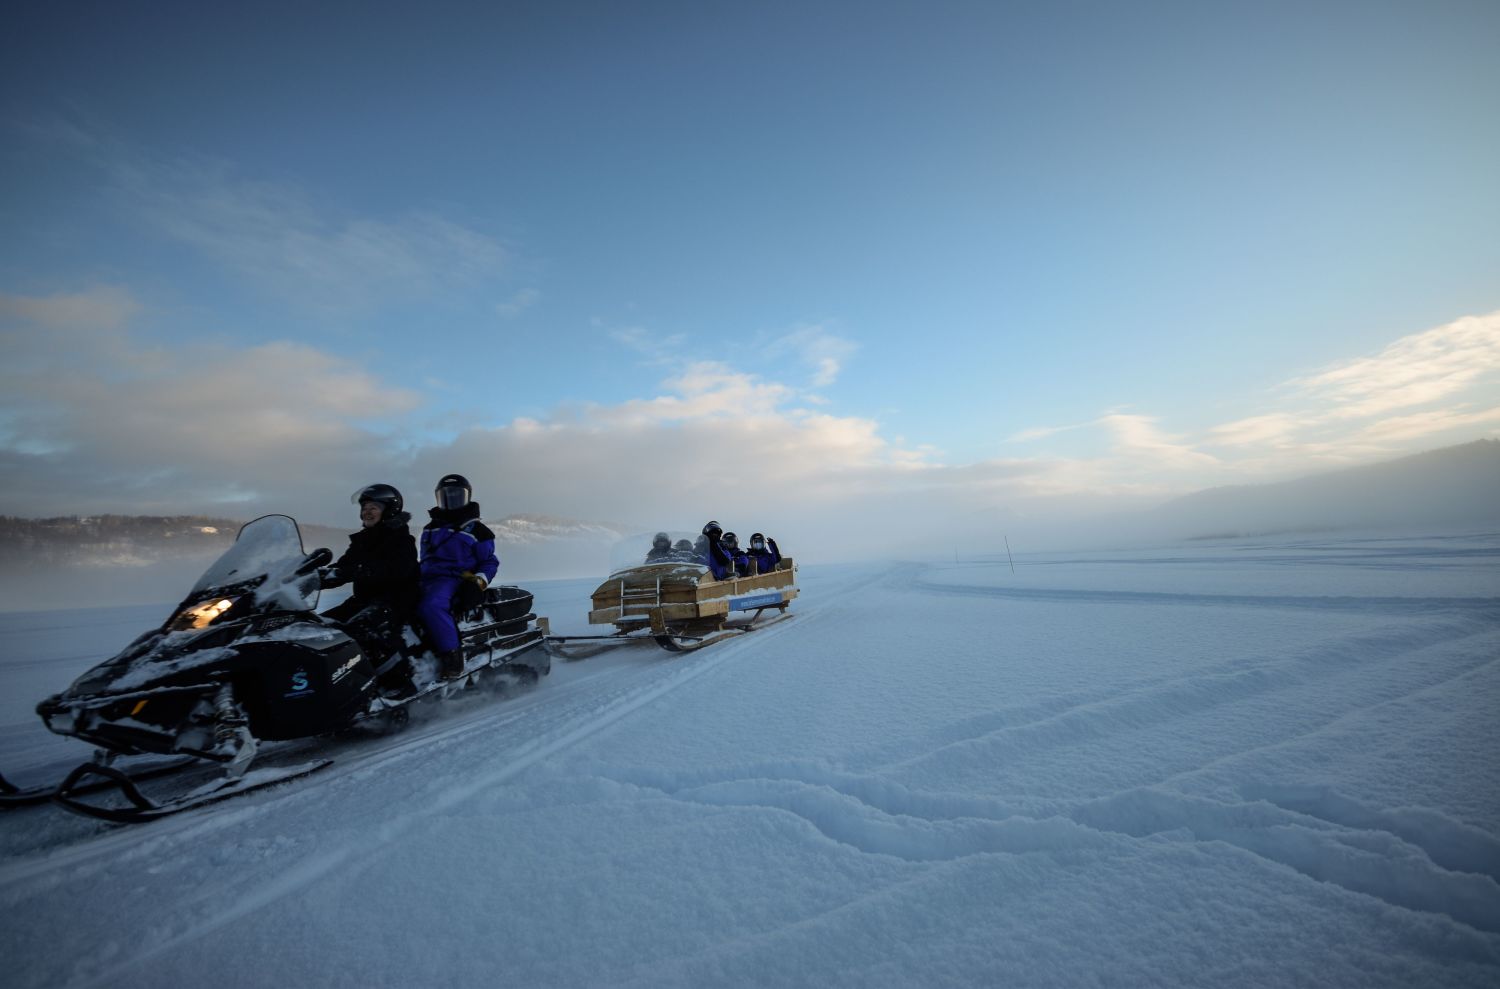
[764, 553]
[682, 552]
[381, 562]
[661, 549]
[711, 554]
[458, 563]
[731, 544]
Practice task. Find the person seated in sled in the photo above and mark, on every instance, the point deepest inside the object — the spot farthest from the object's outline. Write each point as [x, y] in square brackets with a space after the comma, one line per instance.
[763, 552]
[458, 563]
[731, 544]
[661, 549]
[682, 552]
[711, 554]
[381, 563]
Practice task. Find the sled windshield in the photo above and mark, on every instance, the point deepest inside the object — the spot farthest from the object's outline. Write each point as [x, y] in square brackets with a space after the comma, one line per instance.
[641, 548]
[265, 558]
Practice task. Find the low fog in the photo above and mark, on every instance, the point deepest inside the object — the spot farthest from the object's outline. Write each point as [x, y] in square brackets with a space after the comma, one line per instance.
[1442, 490]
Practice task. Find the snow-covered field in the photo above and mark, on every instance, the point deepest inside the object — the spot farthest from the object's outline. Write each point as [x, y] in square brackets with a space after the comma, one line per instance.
[1239, 763]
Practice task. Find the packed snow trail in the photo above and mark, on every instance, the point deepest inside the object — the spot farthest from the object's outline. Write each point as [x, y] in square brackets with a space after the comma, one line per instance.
[1263, 771]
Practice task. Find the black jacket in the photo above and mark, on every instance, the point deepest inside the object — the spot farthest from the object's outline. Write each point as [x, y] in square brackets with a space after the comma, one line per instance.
[382, 563]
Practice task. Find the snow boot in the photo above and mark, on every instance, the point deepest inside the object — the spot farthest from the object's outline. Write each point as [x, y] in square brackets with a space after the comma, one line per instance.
[451, 664]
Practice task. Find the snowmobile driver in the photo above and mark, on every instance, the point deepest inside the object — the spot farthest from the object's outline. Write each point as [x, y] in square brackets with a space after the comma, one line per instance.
[458, 563]
[381, 562]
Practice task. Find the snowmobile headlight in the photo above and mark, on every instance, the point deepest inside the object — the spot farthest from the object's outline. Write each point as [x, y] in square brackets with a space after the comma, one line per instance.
[201, 615]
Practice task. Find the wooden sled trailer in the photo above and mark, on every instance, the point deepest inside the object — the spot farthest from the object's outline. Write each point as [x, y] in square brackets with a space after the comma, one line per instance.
[682, 607]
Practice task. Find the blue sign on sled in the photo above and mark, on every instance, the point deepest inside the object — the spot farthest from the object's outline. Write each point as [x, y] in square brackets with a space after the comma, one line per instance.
[755, 601]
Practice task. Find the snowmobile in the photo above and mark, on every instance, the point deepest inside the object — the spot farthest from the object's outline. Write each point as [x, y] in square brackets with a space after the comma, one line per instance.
[674, 600]
[245, 659]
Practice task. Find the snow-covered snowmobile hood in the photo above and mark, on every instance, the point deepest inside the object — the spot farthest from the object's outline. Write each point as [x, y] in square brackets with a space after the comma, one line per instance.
[255, 589]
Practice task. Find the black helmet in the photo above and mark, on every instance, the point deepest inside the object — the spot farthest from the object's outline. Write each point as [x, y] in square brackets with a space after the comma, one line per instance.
[661, 540]
[385, 494]
[683, 544]
[757, 541]
[731, 540]
[453, 491]
[712, 527]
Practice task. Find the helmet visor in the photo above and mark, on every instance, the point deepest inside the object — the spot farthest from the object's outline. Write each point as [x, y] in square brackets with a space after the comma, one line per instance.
[373, 492]
[452, 496]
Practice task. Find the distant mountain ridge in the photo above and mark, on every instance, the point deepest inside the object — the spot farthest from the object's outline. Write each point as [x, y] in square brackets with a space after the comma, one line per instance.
[148, 559]
[138, 540]
[1456, 485]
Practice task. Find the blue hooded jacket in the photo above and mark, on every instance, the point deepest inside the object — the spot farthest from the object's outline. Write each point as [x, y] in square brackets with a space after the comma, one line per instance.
[765, 559]
[456, 541]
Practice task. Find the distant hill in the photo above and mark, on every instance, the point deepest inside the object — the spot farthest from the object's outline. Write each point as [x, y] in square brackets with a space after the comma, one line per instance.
[145, 559]
[1453, 486]
[123, 540]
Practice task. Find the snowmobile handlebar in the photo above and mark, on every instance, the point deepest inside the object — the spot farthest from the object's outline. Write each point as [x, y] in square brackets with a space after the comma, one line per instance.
[317, 558]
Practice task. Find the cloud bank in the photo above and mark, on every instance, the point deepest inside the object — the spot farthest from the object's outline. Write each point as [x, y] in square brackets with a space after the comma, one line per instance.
[95, 418]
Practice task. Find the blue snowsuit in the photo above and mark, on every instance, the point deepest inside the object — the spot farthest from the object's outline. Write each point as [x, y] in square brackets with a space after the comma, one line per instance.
[714, 556]
[455, 541]
[766, 559]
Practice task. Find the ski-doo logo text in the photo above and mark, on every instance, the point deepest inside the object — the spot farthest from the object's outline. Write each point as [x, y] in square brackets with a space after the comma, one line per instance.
[344, 670]
[300, 687]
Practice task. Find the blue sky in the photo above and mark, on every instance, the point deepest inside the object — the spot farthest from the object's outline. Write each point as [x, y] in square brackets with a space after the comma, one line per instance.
[971, 257]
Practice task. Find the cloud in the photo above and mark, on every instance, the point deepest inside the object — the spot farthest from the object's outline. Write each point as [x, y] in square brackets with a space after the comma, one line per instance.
[95, 418]
[1423, 424]
[657, 349]
[103, 421]
[97, 421]
[1416, 370]
[1137, 435]
[1273, 427]
[1429, 388]
[275, 235]
[105, 306]
[518, 303]
[822, 352]
[1439, 383]
[1044, 432]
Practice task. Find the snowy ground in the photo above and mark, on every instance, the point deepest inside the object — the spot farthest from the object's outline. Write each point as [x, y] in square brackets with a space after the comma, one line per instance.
[1253, 763]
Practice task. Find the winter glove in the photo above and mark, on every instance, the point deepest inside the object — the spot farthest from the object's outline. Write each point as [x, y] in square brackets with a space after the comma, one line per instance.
[470, 593]
[331, 577]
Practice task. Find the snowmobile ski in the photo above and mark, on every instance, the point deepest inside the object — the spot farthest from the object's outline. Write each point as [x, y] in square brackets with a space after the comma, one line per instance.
[143, 808]
[12, 796]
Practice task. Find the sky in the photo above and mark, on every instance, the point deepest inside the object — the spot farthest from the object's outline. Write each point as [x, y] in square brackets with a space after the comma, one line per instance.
[797, 266]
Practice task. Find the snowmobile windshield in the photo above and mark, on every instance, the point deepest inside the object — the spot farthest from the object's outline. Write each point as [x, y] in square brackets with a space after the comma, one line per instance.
[645, 547]
[264, 560]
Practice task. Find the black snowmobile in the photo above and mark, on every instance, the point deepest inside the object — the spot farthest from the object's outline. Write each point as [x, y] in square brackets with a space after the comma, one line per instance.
[246, 659]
